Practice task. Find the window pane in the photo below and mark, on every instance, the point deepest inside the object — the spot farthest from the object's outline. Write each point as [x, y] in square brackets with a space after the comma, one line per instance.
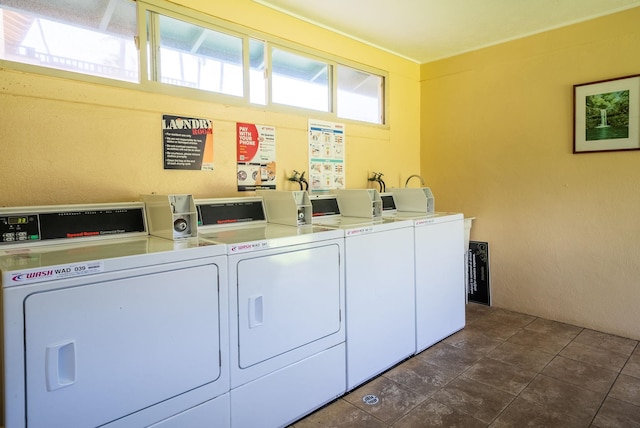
[257, 78]
[299, 81]
[90, 37]
[360, 95]
[200, 58]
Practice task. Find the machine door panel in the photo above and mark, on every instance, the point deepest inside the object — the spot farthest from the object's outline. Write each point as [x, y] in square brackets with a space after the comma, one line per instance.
[380, 297]
[287, 300]
[440, 290]
[97, 352]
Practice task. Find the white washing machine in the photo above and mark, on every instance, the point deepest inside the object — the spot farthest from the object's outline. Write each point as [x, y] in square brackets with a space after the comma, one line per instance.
[286, 305]
[380, 293]
[439, 265]
[106, 326]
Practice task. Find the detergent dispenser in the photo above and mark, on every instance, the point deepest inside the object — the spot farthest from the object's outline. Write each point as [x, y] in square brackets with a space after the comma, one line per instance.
[360, 203]
[171, 216]
[414, 199]
[290, 208]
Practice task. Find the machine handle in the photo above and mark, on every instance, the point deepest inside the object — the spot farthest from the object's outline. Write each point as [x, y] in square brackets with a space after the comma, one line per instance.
[256, 311]
[60, 365]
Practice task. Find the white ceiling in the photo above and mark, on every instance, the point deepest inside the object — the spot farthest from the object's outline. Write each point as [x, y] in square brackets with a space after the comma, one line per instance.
[427, 30]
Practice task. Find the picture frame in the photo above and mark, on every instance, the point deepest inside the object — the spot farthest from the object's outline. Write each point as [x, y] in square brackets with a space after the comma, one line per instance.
[607, 115]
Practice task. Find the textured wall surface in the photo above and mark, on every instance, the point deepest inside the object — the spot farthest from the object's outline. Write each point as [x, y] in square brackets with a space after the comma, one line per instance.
[497, 141]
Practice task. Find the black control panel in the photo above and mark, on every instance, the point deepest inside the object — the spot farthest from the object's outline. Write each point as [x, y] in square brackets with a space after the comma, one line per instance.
[32, 227]
[325, 206]
[230, 212]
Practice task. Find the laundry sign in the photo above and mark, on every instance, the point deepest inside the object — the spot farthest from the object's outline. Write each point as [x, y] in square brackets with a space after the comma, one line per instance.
[187, 143]
[256, 153]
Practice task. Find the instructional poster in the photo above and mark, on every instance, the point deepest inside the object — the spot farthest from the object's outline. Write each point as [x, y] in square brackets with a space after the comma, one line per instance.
[256, 150]
[187, 143]
[326, 155]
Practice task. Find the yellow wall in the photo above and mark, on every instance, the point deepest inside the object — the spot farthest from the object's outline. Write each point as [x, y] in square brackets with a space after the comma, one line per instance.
[497, 135]
[69, 142]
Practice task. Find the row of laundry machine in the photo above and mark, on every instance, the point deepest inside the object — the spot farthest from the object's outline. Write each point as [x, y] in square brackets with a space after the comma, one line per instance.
[226, 312]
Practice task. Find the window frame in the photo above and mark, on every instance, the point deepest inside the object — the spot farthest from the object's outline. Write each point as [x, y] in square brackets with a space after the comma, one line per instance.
[153, 8]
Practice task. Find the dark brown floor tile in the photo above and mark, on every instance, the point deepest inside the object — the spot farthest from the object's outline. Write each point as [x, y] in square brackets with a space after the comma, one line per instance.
[580, 374]
[393, 401]
[511, 318]
[473, 398]
[561, 398]
[617, 414]
[450, 357]
[340, 414]
[632, 368]
[493, 329]
[524, 357]
[541, 325]
[500, 375]
[420, 376]
[605, 341]
[597, 356]
[543, 341]
[627, 388]
[476, 311]
[472, 339]
[523, 413]
[434, 414]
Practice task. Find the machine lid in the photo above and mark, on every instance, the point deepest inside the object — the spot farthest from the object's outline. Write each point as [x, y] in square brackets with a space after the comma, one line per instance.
[261, 237]
[21, 266]
[359, 225]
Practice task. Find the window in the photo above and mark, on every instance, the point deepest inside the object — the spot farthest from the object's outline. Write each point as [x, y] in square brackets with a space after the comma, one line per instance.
[184, 49]
[360, 95]
[196, 57]
[92, 37]
[299, 81]
[257, 72]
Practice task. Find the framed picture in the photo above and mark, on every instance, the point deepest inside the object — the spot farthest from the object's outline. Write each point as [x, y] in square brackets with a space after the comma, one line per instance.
[607, 115]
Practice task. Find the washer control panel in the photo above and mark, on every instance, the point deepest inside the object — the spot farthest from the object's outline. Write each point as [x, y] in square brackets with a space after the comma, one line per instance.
[69, 222]
[19, 228]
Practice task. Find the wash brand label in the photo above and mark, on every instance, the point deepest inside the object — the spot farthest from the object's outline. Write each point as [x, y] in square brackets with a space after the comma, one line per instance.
[55, 272]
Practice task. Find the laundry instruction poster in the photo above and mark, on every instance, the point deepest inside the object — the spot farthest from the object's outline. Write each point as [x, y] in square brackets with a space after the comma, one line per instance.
[256, 151]
[187, 143]
[326, 155]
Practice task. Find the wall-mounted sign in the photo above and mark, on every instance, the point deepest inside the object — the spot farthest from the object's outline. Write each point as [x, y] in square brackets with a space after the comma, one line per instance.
[187, 143]
[256, 151]
[326, 155]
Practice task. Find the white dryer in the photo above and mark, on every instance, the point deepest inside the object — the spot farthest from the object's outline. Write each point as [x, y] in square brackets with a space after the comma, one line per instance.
[106, 326]
[379, 281]
[286, 308]
[439, 265]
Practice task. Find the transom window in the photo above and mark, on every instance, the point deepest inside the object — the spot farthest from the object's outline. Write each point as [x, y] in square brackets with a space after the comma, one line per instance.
[100, 38]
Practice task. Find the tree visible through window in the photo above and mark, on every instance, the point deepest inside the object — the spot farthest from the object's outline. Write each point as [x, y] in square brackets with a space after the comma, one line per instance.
[93, 37]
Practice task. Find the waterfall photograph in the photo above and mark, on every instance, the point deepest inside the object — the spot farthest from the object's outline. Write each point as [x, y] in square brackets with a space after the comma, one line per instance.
[607, 116]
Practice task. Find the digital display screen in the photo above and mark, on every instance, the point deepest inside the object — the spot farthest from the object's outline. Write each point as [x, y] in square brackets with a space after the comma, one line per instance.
[18, 220]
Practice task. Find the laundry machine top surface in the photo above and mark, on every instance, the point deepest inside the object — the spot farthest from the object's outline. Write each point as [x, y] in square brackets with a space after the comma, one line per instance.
[241, 224]
[47, 243]
[420, 218]
[353, 225]
[263, 236]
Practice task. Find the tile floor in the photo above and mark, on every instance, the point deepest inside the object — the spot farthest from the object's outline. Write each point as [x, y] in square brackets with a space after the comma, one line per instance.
[504, 369]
